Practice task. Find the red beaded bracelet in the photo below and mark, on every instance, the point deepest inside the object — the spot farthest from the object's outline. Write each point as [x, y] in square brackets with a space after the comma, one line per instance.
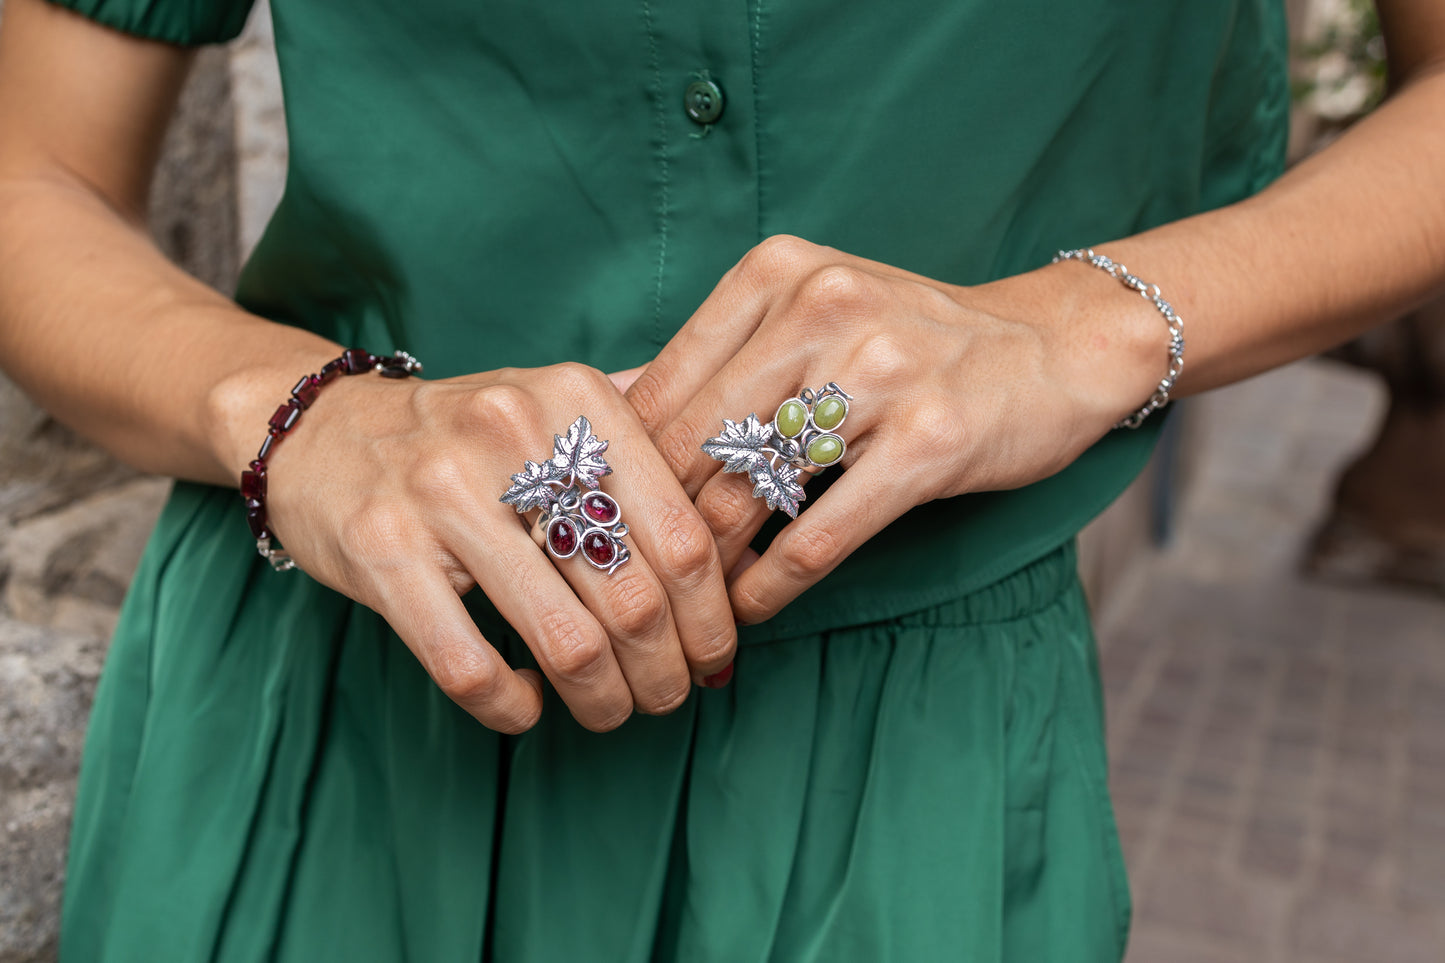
[303, 396]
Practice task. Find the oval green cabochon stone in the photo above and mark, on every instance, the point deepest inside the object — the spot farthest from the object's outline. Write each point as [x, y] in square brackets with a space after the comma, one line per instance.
[825, 449]
[792, 418]
[829, 413]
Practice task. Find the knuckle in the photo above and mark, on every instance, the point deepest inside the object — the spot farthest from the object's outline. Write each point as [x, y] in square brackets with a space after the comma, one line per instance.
[514, 723]
[679, 451]
[501, 406]
[836, 289]
[780, 255]
[884, 356]
[686, 550]
[748, 607]
[717, 652]
[727, 508]
[574, 651]
[668, 701]
[374, 534]
[933, 426]
[638, 608]
[463, 673]
[578, 378]
[439, 476]
[613, 716]
[649, 399]
[809, 551]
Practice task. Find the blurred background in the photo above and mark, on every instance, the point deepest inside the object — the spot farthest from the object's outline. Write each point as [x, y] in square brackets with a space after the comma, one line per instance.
[1269, 597]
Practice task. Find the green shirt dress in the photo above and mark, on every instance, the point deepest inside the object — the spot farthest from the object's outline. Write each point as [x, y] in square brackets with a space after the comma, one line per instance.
[909, 763]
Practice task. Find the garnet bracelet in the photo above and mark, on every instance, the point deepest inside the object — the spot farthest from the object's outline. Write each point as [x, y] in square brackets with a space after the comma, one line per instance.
[303, 396]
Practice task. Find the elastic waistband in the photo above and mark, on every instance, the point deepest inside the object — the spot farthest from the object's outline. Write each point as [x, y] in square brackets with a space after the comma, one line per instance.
[1026, 592]
[1020, 594]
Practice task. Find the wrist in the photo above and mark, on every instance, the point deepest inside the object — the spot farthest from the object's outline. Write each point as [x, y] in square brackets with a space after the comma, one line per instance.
[1108, 347]
[1173, 323]
[239, 405]
[287, 416]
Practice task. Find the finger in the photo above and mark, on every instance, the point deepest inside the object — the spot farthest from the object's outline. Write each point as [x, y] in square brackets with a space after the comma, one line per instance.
[759, 378]
[859, 504]
[733, 514]
[746, 562]
[838, 312]
[624, 379]
[683, 610]
[720, 326]
[729, 506]
[754, 382]
[633, 607]
[571, 646]
[426, 613]
[677, 546]
[728, 317]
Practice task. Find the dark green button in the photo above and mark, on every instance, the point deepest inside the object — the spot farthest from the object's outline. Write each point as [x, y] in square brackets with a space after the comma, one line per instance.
[703, 101]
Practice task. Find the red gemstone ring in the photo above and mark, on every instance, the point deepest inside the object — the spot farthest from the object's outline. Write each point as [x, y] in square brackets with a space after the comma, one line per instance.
[576, 515]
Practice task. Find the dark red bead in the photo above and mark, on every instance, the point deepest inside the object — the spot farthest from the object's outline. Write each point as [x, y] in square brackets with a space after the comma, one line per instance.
[562, 538]
[253, 485]
[359, 360]
[600, 548]
[306, 390]
[285, 417]
[256, 518]
[331, 372]
[600, 508]
[266, 446]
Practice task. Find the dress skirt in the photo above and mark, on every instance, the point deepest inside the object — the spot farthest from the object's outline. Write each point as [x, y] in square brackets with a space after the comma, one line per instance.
[269, 775]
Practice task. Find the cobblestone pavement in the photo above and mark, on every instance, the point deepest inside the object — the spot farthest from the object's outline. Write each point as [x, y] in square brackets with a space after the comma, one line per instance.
[1278, 744]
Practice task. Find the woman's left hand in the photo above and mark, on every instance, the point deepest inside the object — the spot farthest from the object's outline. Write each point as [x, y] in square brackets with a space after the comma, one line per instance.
[954, 389]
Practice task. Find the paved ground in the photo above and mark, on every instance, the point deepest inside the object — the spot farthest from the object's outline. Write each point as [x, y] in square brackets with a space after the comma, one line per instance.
[1278, 744]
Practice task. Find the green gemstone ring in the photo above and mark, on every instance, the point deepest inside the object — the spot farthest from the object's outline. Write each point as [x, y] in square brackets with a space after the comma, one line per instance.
[801, 436]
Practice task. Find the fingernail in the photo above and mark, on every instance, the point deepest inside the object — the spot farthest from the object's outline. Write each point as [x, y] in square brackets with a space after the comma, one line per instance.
[719, 679]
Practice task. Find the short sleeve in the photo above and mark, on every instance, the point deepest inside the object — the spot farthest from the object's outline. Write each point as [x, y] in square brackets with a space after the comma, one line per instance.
[185, 22]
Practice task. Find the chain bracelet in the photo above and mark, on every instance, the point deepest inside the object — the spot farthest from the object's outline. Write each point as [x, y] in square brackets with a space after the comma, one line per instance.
[1150, 292]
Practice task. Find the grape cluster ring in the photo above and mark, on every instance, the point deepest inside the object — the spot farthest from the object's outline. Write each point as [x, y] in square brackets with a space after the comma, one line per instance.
[576, 516]
[801, 437]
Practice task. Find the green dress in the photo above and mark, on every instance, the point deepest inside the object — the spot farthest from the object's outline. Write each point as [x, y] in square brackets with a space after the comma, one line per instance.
[909, 762]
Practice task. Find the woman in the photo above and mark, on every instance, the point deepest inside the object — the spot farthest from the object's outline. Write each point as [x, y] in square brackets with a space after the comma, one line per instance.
[908, 764]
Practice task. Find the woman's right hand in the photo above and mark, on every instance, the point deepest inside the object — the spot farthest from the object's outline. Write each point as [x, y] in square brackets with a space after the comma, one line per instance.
[388, 491]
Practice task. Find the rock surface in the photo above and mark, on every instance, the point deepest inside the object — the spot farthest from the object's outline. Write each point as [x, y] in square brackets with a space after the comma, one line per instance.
[47, 678]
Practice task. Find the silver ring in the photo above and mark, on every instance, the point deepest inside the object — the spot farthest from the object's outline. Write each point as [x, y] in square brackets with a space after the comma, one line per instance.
[576, 516]
[801, 437]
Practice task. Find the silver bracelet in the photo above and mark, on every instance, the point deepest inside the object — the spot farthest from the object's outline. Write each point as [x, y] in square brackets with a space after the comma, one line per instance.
[1150, 292]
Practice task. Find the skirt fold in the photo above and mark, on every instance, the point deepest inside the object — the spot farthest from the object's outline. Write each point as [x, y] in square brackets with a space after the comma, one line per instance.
[270, 775]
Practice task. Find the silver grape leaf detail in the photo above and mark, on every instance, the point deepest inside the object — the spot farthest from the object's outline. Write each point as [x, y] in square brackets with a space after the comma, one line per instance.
[778, 485]
[534, 486]
[580, 454]
[742, 444]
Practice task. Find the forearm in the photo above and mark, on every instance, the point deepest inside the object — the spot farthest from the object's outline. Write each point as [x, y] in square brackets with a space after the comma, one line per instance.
[1351, 237]
[94, 322]
[125, 347]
